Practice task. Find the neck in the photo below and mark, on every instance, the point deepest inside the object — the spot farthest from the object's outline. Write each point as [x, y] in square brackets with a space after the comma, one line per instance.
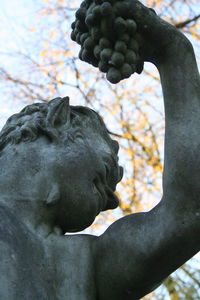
[36, 216]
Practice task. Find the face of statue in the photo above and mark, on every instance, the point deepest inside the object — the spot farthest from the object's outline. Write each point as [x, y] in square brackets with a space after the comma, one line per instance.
[88, 172]
[72, 165]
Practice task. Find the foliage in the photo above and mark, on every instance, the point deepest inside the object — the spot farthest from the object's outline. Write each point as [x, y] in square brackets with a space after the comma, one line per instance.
[133, 110]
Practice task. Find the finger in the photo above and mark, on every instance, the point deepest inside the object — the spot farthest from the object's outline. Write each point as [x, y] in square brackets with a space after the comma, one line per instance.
[149, 23]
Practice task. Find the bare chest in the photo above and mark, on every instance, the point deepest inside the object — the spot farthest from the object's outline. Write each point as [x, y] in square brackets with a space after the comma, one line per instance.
[73, 274]
[58, 269]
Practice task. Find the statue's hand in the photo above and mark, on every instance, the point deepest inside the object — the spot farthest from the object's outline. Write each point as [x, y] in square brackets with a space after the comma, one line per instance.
[159, 38]
[118, 36]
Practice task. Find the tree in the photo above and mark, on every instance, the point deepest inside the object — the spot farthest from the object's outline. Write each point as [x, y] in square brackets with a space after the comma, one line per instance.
[133, 111]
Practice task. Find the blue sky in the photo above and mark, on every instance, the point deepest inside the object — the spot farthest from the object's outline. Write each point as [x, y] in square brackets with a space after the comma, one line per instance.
[15, 17]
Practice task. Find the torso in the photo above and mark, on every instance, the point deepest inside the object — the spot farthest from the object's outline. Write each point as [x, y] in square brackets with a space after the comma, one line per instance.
[73, 258]
[55, 268]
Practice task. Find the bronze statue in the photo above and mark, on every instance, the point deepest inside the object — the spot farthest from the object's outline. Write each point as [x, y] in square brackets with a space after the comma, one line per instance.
[59, 170]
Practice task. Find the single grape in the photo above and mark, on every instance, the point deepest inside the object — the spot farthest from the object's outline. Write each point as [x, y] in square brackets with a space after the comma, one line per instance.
[104, 43]
[90, 20]
[126, 70]
[106, 9]
[113, 75]
[103, 66]
[89, 43]
[117, 59]
[131, 26]
[120, 46]
[130, 57]
[106, 54]
[80, 13]
[86, 55]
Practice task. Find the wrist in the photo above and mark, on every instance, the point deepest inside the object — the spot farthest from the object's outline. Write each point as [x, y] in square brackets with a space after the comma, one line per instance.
[176, 51]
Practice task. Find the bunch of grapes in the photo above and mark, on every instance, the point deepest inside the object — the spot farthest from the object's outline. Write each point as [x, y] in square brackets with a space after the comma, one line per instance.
[108, 36]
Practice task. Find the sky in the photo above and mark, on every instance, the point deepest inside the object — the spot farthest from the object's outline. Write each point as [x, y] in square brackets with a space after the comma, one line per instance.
[15, 17]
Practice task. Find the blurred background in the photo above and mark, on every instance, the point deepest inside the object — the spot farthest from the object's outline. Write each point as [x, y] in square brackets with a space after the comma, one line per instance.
[38, 62]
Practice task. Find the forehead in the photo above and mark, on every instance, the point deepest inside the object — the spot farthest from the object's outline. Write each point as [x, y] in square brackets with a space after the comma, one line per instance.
[93, 126]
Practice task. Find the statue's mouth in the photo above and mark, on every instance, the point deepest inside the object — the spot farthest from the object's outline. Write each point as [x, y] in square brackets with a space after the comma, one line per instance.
[112, 199]
[106, 186]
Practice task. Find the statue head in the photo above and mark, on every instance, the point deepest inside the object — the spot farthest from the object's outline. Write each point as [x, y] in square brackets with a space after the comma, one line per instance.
[68, 157]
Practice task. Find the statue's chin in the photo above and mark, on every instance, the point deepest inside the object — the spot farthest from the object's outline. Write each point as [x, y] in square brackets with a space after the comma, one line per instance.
[85, 220]
[77, 229]
[78, 225]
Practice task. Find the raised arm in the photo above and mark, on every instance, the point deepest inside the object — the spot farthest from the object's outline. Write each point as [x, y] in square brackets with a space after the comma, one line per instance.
[137, 252]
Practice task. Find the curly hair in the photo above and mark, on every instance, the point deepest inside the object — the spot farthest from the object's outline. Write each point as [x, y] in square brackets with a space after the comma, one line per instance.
[47, 119]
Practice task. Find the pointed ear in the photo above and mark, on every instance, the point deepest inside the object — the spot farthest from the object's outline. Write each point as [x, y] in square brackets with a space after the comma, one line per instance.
[53, 195]
[59, 111]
